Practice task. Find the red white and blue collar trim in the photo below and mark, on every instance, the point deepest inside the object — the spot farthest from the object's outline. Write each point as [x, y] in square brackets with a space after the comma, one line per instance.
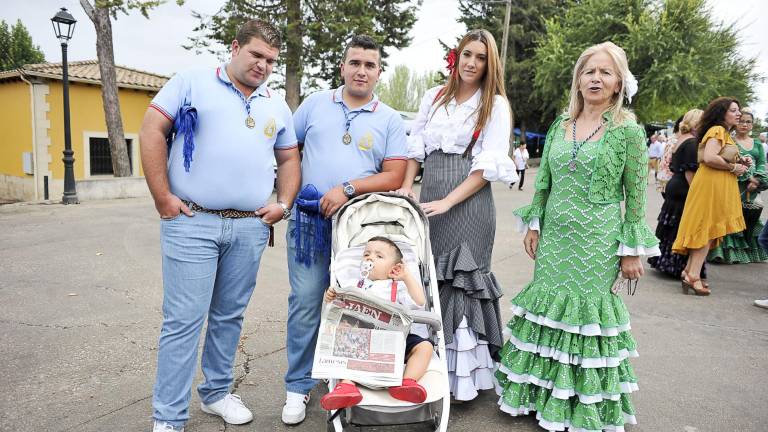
[221, 73]
[370, 106]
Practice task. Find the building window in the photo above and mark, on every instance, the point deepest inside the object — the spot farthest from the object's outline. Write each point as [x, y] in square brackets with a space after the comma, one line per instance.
[101, 158]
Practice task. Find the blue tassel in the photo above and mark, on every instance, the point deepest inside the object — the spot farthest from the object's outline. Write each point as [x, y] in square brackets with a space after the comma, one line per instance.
[185, 123]
[312, 233]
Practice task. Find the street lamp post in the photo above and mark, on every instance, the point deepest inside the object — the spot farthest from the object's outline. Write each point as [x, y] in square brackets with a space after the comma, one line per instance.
[64, 26]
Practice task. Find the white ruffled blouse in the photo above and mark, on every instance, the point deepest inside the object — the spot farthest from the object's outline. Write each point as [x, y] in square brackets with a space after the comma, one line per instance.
[451, 127]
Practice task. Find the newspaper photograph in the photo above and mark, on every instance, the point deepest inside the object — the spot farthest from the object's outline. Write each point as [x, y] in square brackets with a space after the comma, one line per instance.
[361, 338]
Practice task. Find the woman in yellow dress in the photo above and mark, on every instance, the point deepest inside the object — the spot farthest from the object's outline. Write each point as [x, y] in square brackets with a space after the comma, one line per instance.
[713, 206]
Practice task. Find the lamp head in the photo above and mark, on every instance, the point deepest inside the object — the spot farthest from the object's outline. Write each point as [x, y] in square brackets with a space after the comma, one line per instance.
[63, 25]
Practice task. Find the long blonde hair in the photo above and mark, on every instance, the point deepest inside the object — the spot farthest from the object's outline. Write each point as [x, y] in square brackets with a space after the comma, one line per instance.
[492, 80]
[618, 113]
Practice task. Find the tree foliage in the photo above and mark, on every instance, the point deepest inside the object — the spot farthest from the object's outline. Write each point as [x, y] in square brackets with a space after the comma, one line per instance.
[404, 89]
[16, 47]
[681, 55]
[101, 12]
[320, 28]
[526, 27]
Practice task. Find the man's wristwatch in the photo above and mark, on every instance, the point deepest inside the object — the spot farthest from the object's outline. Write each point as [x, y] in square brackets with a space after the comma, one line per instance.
[286, 210]
[349, 190]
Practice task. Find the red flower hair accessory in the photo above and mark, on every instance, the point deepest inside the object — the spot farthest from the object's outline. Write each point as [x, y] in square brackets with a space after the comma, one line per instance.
[450, 60]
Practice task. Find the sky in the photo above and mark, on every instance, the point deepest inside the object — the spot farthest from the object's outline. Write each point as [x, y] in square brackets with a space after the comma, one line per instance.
[155, 45]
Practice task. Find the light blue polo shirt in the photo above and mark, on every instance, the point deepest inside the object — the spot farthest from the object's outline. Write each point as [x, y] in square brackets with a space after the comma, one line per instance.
[377, 131]
[231, 163]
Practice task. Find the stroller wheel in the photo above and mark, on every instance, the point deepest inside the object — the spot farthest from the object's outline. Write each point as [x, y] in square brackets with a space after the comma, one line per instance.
[436, 421]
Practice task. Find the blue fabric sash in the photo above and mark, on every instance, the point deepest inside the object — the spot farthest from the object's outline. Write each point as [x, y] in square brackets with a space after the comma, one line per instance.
[185, 123]
[312, 231]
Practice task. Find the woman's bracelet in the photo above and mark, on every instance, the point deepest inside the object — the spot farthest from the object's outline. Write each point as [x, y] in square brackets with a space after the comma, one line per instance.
[733, 168]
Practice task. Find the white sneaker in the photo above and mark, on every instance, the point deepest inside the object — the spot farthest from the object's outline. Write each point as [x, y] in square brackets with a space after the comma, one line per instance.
[230, 408]
[166, 427]
[295, 408]
[762, 303]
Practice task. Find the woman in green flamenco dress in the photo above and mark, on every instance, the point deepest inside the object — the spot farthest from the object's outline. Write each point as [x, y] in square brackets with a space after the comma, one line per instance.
[567, 349]
[742, 247]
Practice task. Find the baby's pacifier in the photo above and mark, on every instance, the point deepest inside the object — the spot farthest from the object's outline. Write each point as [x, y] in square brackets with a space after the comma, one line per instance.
[365, 268]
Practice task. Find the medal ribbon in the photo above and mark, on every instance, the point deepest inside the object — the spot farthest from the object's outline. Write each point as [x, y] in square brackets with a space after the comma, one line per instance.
[247, 102]
[347, 118]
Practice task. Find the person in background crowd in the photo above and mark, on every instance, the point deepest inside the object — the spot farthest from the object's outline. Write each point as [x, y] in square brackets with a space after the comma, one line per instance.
[664, 172]
[712, 208]
[742, 247]
[655, 152]
[520, 156]
[763, 241]
[683, 166]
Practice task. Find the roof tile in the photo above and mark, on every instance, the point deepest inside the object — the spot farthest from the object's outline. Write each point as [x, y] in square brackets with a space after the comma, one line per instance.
[89, 70]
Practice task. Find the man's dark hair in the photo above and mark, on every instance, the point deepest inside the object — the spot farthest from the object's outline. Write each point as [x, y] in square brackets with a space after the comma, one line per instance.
[263, 30]
[364, 42]
[398, 253]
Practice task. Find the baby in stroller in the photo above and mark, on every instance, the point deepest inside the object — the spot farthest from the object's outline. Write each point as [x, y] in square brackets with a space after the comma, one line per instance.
[386, 276]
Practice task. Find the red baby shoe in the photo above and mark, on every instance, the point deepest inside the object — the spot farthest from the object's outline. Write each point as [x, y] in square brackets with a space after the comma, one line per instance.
[343, 396]
[409, 391]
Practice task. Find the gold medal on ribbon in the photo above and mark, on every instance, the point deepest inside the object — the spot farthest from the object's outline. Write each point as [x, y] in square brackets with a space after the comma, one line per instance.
[250, 122]
[347, 138]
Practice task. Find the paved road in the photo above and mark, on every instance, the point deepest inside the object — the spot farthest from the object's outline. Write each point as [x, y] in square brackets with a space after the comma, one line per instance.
[80, 299]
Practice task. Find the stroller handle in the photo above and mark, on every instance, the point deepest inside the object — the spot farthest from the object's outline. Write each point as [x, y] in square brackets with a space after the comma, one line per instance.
[429, 318]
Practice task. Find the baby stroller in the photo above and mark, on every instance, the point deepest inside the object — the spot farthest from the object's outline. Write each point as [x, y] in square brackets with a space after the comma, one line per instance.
[401, 220]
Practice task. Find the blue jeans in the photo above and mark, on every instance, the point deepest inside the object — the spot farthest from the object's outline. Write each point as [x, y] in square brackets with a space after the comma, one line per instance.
[305, 302]
[209, 271]
[762, 240]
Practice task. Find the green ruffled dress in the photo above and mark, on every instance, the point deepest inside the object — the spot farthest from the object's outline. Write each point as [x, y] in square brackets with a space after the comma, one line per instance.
[742, 247]
[569, 341]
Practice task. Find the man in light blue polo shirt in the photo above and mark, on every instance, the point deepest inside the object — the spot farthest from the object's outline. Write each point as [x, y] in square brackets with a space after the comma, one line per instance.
[353, 144]
[211, 191]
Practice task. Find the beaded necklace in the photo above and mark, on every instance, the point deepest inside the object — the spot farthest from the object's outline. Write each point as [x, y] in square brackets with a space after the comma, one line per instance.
[577, 145]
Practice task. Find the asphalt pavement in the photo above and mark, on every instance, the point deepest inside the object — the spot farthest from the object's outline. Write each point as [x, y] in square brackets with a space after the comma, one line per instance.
[80, 311]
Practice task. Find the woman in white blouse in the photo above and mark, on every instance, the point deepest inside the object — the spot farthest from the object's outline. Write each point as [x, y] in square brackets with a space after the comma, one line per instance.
[462, 135]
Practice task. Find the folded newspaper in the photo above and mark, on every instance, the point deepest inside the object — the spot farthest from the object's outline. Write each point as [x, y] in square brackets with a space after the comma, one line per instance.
[361, 338]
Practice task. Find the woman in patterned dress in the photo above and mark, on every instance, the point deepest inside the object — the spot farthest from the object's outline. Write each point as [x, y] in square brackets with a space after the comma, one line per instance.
[461, 133]
[683, 166]
[742, 247]
[569, 340]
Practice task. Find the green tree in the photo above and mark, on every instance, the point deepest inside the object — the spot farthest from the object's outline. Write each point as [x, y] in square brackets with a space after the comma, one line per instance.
[315, 32]
[101, 13]
[527, 26]
[682, 56]
[404, 89]
[16, 47]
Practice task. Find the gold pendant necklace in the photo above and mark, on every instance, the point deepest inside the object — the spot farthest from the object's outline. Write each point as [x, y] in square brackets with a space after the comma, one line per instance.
[250, 122]
[347, 138]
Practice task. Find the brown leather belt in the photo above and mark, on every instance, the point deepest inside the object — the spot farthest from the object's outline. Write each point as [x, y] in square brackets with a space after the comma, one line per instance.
[231, 214]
